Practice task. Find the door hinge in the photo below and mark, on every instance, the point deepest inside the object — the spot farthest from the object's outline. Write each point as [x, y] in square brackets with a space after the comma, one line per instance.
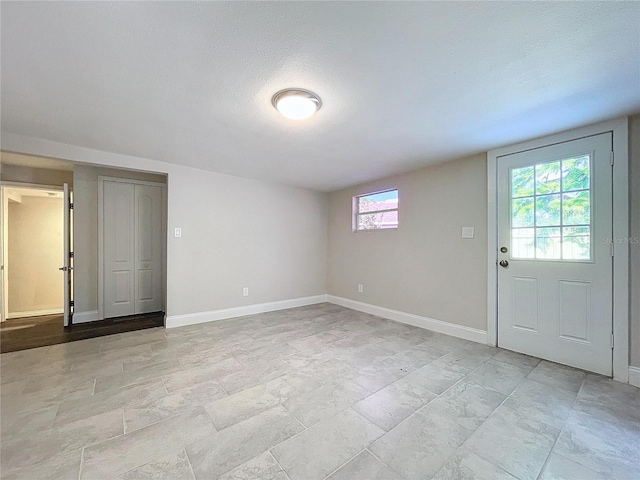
[612, 157]
[70, 254]
[612, 340]
[71, 204]
[613, 247]
[71, 303]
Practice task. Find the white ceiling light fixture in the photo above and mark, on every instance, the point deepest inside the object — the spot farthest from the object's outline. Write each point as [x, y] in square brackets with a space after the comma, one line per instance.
[296, 103]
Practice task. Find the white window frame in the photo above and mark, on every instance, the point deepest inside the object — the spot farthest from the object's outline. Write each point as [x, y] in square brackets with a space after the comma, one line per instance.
[620, 130]
[356, 211]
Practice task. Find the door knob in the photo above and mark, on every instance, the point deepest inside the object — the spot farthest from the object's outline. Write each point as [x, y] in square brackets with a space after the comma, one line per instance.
[504, 263]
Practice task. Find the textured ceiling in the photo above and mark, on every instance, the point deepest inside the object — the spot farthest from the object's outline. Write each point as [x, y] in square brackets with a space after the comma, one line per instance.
[402, 84]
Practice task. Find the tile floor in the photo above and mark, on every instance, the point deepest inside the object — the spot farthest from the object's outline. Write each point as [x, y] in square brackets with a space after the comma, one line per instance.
[303, 394]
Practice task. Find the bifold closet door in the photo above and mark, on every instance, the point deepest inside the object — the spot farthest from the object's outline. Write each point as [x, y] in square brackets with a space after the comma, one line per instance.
[148, 248]
[119, 243]
[132, 239]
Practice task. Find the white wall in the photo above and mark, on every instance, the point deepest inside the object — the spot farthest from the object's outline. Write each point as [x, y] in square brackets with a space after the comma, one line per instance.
[424, 268]
[35, 252]
[236, 232]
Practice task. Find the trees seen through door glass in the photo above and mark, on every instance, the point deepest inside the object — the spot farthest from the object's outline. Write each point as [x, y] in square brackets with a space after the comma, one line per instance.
[551, 210]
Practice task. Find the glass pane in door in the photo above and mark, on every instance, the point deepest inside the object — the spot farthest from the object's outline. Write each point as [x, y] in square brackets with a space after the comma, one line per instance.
[551, 210]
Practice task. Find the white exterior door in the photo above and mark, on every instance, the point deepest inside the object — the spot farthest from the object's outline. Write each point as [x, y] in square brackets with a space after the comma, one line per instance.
[119, 245]
[555, 273]
[148, 248]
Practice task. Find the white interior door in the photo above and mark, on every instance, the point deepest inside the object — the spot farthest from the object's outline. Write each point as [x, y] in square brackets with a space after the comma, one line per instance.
[555, 268]
[66, 254]
[148, 248]
[118, 246]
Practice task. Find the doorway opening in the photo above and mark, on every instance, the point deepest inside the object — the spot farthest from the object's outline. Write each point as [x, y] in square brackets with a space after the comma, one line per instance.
[558, 287]
[33, 249]
[33, 245]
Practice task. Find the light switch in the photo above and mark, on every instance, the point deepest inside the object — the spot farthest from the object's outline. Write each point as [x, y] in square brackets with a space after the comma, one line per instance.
[177, 232]
[467, 232]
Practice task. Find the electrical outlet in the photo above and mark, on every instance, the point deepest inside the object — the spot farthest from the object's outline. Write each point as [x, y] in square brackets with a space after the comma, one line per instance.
[245, 292]
[360, 288]
[468, 232]
[177, 232]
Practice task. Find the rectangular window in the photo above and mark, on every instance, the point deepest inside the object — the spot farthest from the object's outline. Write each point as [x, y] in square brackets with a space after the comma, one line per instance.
[376, 211]
[551, 210]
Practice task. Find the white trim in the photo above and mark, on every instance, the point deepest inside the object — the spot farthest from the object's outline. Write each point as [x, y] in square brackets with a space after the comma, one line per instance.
[620, 129]
[460, 331]
[174, 321]
[4, 234]
[35, 313]
[101, 180]
[621, 259]
[100, 248]
[84, 317]
[634, 376]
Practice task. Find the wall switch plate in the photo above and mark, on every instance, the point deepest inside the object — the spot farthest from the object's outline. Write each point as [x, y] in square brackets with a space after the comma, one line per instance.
[467, 232]
[360, 288]
[245, 292]
[177, 232]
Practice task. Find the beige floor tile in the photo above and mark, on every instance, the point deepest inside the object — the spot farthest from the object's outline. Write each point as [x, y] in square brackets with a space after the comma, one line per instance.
[233, 446]
[135, 395]
[364, 467]
[326, 401]
[175, 403]
[126, 452]
[248, 403]
[174, 466]
[374, 399]
[418, 447]
[28, 451]
[319, 450]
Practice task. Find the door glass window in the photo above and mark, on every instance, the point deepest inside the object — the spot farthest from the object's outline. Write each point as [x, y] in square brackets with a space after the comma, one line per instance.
[551, 210]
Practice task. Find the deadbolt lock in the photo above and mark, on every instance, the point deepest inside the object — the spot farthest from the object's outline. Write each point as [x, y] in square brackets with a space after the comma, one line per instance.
[504, 249]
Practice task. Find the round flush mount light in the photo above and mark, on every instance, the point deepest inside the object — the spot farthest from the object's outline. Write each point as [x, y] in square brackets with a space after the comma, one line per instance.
[296, 103]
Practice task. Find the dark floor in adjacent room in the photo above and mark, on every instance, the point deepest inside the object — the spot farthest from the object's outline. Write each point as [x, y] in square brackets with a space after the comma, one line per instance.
[31, 332]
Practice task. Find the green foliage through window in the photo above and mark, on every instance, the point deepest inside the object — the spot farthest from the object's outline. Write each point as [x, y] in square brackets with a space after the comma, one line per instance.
[551, 210]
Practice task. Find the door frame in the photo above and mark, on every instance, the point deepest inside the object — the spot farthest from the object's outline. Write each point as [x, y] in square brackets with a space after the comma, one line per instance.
[620, 130]
[4, 299]
[163, 215]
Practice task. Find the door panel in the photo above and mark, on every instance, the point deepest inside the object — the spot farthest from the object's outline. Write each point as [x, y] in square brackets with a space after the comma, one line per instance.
[148, 221]
[119, 237]
[555, 278]
[575, 299]
[525, 303]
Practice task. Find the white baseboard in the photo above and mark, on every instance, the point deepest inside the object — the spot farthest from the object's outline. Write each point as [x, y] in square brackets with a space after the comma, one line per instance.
[174, 321]
[35, 313]
[460, 331]
[84, 317]
[634, 376]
